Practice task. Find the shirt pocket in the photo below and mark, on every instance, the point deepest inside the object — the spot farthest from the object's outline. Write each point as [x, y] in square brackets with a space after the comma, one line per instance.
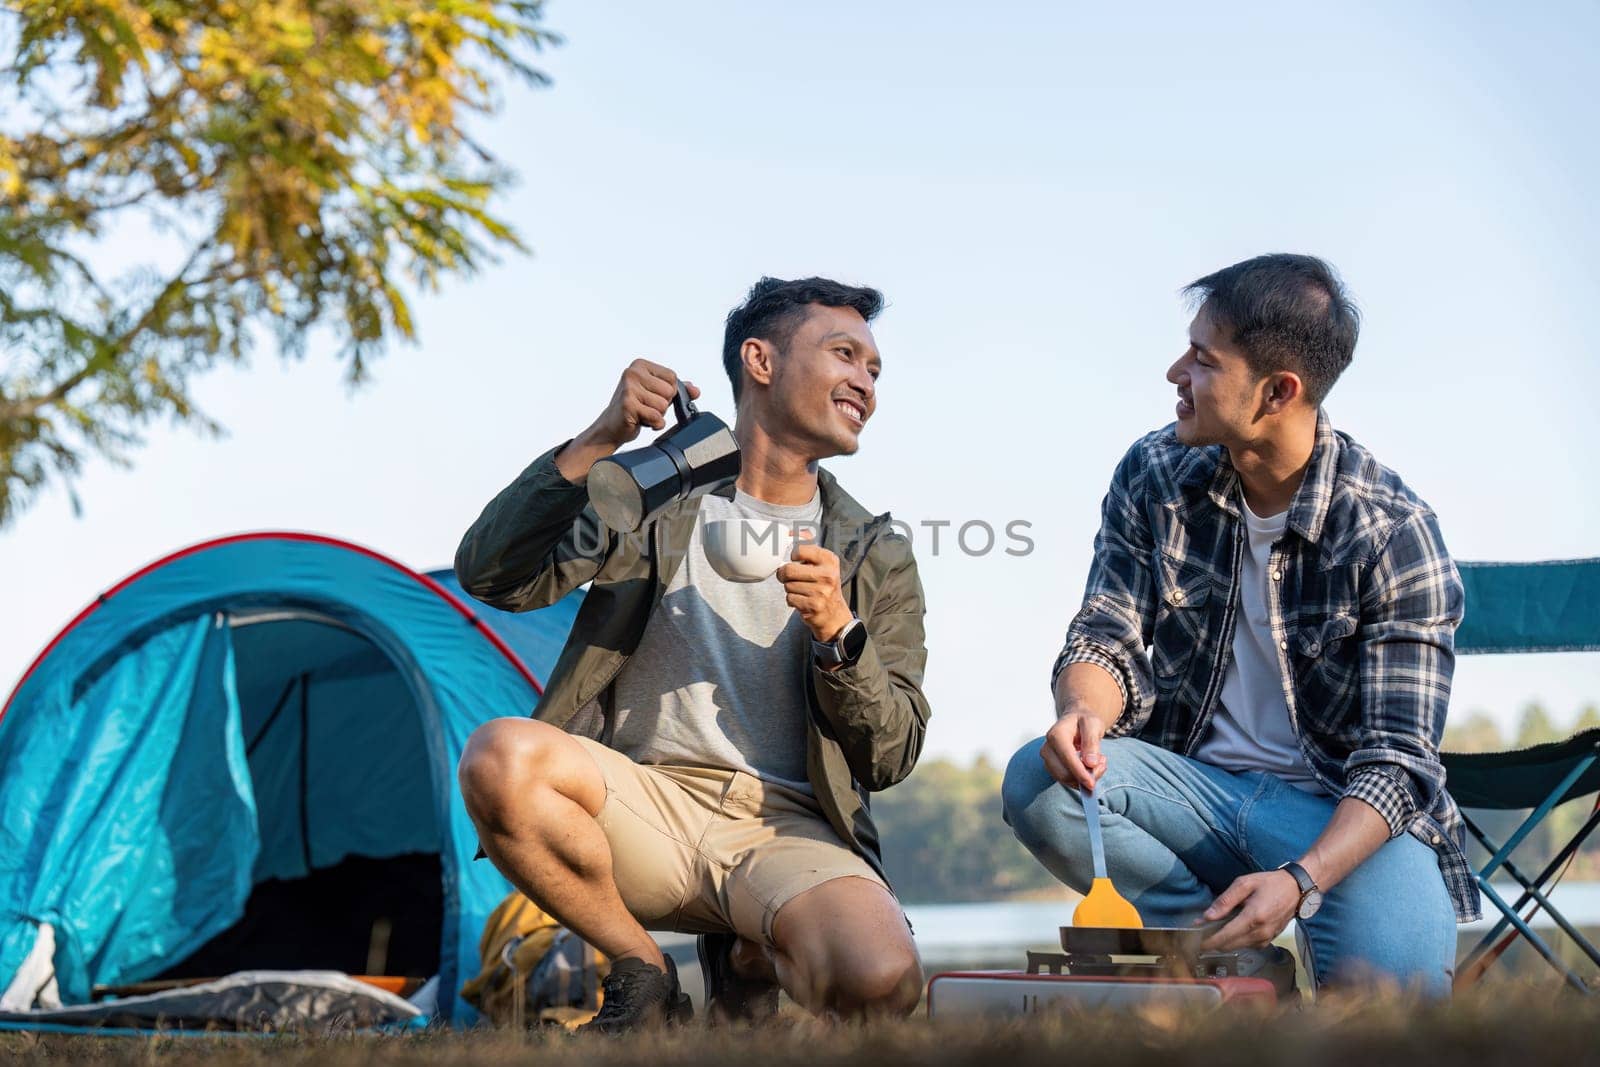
[1183, 593]
[1325, 659]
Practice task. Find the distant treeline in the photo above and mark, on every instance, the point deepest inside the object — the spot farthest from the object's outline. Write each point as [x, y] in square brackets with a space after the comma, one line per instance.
[1476, 730]
[944, 841]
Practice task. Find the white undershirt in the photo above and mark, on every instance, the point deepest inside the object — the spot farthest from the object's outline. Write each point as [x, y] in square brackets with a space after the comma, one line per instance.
[1250, 730]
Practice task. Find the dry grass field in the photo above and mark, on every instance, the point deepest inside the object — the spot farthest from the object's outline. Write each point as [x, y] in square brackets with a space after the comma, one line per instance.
[1503, 1026]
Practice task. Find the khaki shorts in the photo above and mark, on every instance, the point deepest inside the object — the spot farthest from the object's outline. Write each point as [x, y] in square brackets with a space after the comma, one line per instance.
[701, 850]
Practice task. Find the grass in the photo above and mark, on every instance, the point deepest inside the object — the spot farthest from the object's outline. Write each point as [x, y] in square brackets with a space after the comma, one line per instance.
[1509, 1025]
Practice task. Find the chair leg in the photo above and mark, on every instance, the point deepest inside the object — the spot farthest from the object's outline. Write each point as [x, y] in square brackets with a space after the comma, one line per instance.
[1531, 891]
[1533, 888]
[1533, 939]
[1482, 877]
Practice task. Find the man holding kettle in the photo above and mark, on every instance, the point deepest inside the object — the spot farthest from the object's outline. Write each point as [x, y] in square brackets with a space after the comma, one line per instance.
[701, 757]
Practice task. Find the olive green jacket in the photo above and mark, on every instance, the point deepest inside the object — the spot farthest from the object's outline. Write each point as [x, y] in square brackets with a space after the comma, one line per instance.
[539, 539]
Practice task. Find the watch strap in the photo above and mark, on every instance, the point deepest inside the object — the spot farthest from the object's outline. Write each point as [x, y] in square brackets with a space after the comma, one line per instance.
[835, 653]
[1301, 877]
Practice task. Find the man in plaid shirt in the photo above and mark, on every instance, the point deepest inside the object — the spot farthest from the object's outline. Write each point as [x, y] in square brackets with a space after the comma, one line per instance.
[1257, 680]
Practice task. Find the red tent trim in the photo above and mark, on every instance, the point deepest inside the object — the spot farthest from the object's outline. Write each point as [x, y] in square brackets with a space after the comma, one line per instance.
[278, 535]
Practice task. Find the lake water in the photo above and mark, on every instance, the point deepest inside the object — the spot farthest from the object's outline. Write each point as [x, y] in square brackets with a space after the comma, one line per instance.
[971, 934]
[994, 935]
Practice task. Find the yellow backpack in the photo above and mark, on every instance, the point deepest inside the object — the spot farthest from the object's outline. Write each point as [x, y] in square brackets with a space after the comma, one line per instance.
[535, 972]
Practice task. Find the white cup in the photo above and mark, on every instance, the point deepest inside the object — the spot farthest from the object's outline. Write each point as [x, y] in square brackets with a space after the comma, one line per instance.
[748, 550]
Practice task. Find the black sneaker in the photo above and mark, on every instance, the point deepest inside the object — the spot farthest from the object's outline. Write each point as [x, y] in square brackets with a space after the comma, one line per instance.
[730, 997]
[639, 996]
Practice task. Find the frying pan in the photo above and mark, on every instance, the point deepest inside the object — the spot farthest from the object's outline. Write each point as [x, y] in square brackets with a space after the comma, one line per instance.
[1139, 941]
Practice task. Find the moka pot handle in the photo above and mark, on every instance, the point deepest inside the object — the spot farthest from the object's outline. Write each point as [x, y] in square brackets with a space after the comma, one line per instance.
[682, 406]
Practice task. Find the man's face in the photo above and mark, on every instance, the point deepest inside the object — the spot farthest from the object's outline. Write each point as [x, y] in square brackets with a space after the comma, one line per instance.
[824, 382]
[1218, 393]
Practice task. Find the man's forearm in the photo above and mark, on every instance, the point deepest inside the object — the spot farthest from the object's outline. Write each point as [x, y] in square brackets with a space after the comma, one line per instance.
[877, 711]
[1267, 900]
[533, 543]
[581, 453]
[1088, 688]
[1354, 833]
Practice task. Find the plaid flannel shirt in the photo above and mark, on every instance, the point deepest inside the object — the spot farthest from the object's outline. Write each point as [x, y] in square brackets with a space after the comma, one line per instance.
[1363, 599]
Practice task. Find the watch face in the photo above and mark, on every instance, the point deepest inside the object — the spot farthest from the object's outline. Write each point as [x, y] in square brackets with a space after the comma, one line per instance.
[1310, 903]
[854, 642]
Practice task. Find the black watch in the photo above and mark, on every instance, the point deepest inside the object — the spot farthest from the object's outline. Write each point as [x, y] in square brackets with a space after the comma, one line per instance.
[1310, 895]
[844, 649]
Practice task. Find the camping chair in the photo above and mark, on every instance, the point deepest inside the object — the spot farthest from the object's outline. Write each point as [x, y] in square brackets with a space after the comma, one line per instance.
[1551, 606]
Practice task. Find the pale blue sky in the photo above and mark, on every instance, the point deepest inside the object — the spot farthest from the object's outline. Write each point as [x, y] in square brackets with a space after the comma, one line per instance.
[1030, 185]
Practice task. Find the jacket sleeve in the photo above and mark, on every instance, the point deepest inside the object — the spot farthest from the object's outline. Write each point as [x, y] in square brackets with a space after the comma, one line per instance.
[1112, 628]
[1409, 613]
[536, 541]
[875, 707]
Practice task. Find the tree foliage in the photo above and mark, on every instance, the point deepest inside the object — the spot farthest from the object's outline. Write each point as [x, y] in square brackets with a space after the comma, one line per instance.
[283, 164]
[1473, 731]
[1535, 727]
[943, 839]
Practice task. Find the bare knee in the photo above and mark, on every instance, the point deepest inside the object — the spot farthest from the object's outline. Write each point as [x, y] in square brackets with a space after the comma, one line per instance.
[860, 981]
[847, 949]
[886, 983]
[510, 760]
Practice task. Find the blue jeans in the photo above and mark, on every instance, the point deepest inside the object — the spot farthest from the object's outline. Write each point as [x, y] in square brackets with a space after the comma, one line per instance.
[1178, 832]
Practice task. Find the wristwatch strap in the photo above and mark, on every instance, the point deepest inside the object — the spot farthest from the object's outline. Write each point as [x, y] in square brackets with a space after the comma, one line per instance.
[835, 653]
[1301, 877]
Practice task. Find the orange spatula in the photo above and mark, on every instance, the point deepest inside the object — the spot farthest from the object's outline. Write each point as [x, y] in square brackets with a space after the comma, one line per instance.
[1104, 906]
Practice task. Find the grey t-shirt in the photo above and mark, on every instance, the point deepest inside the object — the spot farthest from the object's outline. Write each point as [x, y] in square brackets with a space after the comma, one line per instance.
[1250, 730]
[718, 677]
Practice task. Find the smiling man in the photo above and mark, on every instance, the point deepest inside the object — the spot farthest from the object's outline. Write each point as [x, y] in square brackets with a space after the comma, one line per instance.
[701, 757]
[1266, 644]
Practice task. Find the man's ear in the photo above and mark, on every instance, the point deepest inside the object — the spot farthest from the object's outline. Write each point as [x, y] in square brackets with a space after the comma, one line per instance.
[1283, 388]
[758, 358]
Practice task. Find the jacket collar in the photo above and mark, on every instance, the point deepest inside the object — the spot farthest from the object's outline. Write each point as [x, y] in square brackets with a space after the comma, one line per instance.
[1308, 511]
[848, 529]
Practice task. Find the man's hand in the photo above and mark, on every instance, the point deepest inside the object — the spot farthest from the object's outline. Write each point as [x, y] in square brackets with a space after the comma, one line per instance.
[811, 582]
[1271, 898]
[642, 398]
[1266, 903]
[1071, 750]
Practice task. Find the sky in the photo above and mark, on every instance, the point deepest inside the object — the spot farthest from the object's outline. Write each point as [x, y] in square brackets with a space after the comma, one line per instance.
[1030, 185]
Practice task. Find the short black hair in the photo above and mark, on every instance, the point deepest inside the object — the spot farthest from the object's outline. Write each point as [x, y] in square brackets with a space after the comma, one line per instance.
[1287, 312]
[774, 307]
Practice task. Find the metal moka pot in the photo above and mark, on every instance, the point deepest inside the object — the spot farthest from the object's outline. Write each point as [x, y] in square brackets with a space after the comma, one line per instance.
[696, 456]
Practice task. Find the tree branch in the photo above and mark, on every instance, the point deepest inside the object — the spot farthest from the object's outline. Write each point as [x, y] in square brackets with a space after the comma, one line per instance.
[83, 269]
[107, 350]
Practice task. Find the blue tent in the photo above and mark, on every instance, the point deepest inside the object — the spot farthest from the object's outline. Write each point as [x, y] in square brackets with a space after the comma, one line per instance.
[240, 718]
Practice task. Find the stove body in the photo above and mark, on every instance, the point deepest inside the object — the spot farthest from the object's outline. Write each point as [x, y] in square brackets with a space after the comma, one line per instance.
[1112, 969]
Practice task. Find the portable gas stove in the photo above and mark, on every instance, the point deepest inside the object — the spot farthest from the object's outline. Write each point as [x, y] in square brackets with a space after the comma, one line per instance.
[1108, 967]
